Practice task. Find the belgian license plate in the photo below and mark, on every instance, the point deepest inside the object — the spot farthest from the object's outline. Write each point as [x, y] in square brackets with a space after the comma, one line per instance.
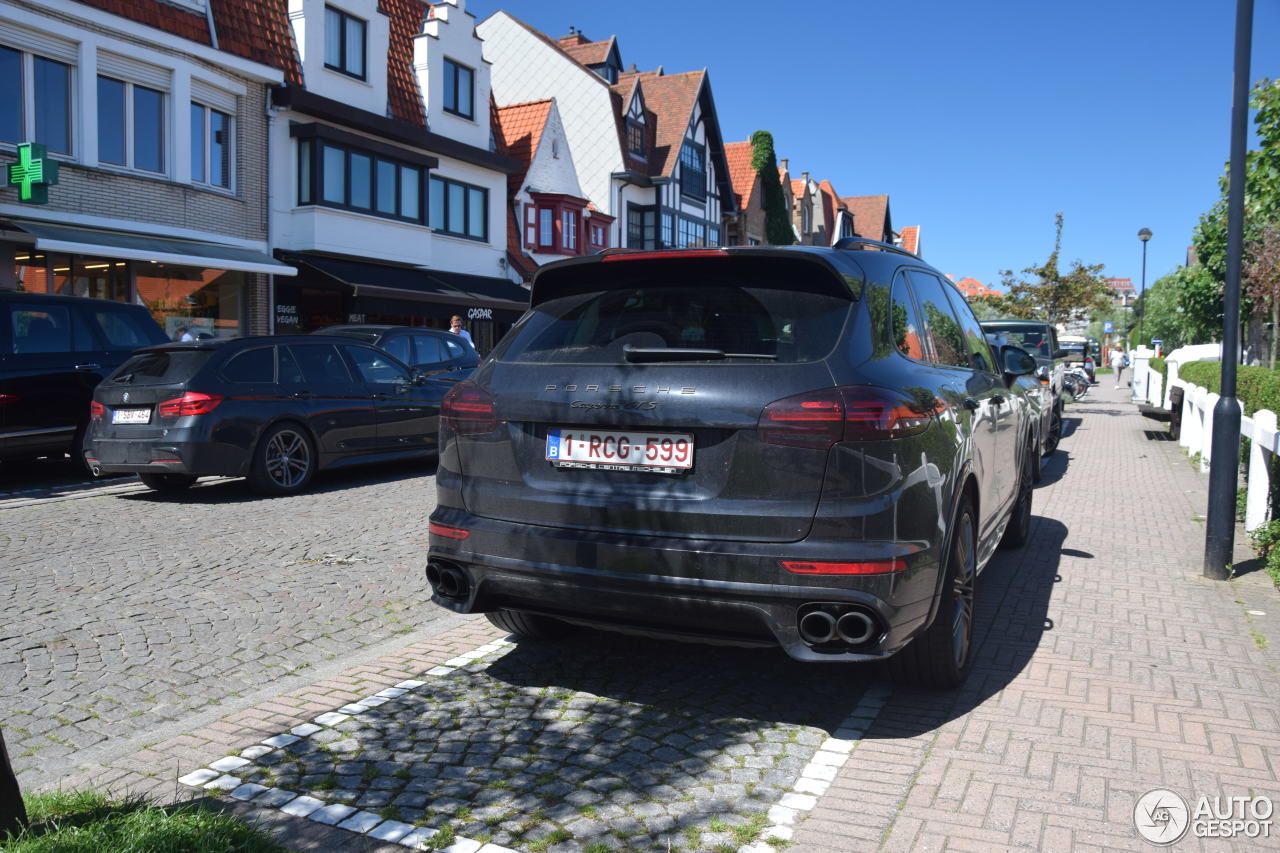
[131, 416]
[656, 452]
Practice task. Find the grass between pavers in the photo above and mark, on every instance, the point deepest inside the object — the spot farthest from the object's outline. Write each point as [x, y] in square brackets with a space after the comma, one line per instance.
[90, 822]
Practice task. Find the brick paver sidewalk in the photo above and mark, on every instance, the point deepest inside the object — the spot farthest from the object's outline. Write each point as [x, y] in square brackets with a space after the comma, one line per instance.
[1109, 667]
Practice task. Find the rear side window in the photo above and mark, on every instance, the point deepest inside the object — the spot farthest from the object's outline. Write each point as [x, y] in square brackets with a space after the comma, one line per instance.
[254, 365]
[428, 350]
[979, 353]
[375, 368]
[164, 367]
[321, 363]
[41, 329]
[907, 334]
[123, 329]
[940, 323]
[783, 325]
[398, 346]
[456, 350]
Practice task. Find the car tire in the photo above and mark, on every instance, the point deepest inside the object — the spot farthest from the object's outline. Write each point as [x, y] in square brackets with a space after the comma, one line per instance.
[77, 452]
[167, 482]
[1019, 529]
[942, 656]
[283, 462]
[1055, 428]
[530, 626]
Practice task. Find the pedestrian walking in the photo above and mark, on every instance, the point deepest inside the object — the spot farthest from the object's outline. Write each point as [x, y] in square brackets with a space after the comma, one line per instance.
[1118, 360]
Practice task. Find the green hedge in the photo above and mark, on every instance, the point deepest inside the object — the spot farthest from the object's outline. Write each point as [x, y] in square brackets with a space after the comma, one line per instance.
[1257, 387]
[1158, 365]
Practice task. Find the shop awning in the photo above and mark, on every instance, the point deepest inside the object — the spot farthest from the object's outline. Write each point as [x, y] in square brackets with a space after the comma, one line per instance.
[144, 247]
[419, 285]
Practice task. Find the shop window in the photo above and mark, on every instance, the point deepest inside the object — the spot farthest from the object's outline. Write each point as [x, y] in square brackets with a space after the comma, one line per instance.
[210, 146]
[353, 179]
[693, 234]
[130, 125]
[207, 301]
[37, 104]
[344, 42]
[459, 209]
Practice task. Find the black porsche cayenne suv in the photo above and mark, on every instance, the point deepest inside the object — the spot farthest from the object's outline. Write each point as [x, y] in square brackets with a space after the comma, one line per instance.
[812, 448]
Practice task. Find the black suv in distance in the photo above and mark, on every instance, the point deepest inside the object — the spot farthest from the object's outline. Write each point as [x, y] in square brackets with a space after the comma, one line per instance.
[810, 448]
[54, 350]
[1041, 340]
[274, 409]
[431, 351]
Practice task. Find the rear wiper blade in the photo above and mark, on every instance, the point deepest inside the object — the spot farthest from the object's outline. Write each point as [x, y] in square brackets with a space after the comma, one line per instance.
[643, 354]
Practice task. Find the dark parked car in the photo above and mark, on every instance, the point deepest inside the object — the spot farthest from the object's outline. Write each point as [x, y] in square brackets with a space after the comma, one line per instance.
[53, 351]
[273, 409]
[811, 448]
[431, 351]
[1041, 340]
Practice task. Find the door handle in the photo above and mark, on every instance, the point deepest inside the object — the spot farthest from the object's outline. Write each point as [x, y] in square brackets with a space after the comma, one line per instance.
[971, 404]
[300, 395]
[88, 366]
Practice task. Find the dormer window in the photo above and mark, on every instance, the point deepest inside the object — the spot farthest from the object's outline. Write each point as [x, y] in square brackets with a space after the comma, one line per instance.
[459, 89]
[344, 42]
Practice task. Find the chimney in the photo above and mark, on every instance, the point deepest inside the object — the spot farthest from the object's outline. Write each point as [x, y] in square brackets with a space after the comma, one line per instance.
[783, 162]
[575, 37]
[804, 176]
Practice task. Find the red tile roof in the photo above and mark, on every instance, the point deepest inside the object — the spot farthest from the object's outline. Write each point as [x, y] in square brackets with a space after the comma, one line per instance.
[671, 98]
[911, 238]
[870, 215]
[797, 188]
[404, 98]
[971, 288]
[521, 127]
[830, 203]
[257, 30]
[741, 175]
[588, 52]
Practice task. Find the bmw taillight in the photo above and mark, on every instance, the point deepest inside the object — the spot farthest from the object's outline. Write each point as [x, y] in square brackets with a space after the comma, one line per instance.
[190, 403]
[97, 411]
[818, 419]
[469, 409]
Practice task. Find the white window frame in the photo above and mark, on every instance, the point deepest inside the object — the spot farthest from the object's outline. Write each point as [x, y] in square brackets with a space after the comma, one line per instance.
[230, 185]
[27, 59]
[130, 143]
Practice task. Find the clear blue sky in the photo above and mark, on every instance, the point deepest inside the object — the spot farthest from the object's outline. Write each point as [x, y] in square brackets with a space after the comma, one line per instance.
[980, 119]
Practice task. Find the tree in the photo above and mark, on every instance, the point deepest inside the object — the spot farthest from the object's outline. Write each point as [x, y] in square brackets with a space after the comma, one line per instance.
[1261, 187]
[1183, 307]
[777, 219]
[1061, 299]
[1261, 278]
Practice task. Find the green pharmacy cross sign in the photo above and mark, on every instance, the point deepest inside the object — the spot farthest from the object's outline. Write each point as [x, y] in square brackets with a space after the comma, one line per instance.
[33, 173]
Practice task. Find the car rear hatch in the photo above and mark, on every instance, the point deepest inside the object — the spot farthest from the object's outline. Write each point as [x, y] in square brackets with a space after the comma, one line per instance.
[631, 398]
[133, 395]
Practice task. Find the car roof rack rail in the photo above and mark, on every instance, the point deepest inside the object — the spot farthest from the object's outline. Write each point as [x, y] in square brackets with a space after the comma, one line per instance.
[873, 245]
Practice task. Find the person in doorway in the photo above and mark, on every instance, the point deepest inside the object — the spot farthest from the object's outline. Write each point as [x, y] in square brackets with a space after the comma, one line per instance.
[182, 333]
[1118, 360]
[455, 326]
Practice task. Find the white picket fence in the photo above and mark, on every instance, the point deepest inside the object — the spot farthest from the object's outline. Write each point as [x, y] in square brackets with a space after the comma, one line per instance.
[1197, 421]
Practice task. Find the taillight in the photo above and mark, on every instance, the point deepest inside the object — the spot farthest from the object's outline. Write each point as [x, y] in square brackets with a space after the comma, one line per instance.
[447, 532]
[190, 403]
[818, 419]
[97, 411]
[469, 409]
[864, 567]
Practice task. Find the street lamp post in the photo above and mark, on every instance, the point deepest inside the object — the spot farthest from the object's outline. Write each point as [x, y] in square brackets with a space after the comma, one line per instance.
[1144, 234]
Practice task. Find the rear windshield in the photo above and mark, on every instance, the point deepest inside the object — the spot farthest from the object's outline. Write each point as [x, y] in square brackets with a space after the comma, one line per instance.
[164, 367]
[1034, 341]
[754, 311]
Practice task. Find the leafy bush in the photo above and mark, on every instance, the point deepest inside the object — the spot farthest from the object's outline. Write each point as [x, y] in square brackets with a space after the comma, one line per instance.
[1159, 366]
[1266, 541]
[1257, 387]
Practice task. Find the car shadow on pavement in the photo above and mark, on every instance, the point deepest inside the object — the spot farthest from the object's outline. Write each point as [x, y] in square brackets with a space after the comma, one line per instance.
[1013, 606]
[1053, 468]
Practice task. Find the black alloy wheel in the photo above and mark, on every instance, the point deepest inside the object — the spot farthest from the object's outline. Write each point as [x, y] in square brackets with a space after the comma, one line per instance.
[942, 655]
[283, 462]
[1019, 529]
[1055, 428]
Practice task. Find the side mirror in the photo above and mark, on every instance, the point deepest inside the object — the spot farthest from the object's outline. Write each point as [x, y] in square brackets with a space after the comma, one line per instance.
[1060, 353]
[1015, 361]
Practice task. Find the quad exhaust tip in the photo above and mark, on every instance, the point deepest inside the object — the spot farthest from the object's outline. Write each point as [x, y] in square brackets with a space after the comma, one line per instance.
[837, 626]
[448, 581]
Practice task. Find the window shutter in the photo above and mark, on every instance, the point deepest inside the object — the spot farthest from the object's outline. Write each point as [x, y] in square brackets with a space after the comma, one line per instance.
[531, 227]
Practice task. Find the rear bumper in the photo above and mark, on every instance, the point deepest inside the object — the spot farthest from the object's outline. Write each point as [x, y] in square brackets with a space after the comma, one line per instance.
[721, 591]
[175, 453]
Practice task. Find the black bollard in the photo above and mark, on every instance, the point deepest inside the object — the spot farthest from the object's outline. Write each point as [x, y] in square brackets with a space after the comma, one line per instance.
[13, 814]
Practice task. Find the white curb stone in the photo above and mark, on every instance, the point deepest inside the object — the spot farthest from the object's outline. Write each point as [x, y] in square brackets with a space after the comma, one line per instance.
[281, 740]
[199, 777]
[392, 830]
[248, 791]
[225, 783]
[275, 797]
[331, 814]
[302, 806]
[332, 718]
[305, 730]
[226, 765]
[361, 822]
